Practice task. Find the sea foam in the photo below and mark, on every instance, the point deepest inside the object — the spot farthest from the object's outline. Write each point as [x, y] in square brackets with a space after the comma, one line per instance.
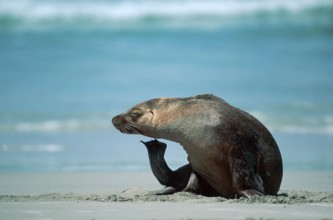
[56, 126]
[30, 148]
[32, 12]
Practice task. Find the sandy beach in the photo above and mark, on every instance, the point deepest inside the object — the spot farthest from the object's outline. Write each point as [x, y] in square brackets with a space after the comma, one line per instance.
[126, 195]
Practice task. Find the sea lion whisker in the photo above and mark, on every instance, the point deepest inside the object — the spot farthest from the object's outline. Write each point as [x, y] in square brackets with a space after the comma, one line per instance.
[122, 129]
[132, 124]
[129, 128]
[133, 127]
[135, 131]
[126, 128]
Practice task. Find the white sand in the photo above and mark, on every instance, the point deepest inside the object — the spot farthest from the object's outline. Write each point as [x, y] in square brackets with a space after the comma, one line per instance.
[126, 196]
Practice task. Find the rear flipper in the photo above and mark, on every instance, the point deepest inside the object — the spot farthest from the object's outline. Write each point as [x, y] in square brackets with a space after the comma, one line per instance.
[246, 180]
[175, 181]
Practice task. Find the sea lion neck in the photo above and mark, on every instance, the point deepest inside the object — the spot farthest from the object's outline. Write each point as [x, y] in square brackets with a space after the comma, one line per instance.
[185, 122]
[170, 123]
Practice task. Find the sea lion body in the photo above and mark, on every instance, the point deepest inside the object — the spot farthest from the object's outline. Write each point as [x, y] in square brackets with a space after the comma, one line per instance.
[228, 149]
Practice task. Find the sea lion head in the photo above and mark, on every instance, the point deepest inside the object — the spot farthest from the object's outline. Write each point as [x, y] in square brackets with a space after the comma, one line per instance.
[143, 118]
[174, 119]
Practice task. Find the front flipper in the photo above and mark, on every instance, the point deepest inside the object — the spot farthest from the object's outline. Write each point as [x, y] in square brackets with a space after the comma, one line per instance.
[177, 179]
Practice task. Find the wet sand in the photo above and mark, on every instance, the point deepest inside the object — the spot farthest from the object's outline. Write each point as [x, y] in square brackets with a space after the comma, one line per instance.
[303, 195]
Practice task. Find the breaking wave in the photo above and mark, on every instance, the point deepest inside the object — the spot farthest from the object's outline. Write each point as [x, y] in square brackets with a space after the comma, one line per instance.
[56, 126]
[43, 148]
[319, 124]
[30, 13]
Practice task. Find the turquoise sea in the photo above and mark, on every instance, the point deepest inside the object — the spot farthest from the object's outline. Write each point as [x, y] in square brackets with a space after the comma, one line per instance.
[68, 66]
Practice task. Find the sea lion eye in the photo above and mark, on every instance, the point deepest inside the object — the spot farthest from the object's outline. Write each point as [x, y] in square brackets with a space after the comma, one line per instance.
[136, 112]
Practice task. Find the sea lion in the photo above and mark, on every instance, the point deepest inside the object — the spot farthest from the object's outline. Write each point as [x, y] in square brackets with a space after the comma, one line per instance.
[230, 152]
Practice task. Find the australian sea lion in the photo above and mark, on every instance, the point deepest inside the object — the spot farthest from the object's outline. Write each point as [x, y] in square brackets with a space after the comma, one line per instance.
[230, 152]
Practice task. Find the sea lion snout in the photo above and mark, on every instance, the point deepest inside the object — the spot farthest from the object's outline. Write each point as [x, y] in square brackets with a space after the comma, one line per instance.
[118, 120]
[124, 125]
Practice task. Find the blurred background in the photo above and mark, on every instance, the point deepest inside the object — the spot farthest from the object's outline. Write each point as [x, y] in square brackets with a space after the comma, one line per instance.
[68, 66]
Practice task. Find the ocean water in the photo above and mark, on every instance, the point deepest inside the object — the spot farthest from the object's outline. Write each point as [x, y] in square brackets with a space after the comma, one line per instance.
[67, 67]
